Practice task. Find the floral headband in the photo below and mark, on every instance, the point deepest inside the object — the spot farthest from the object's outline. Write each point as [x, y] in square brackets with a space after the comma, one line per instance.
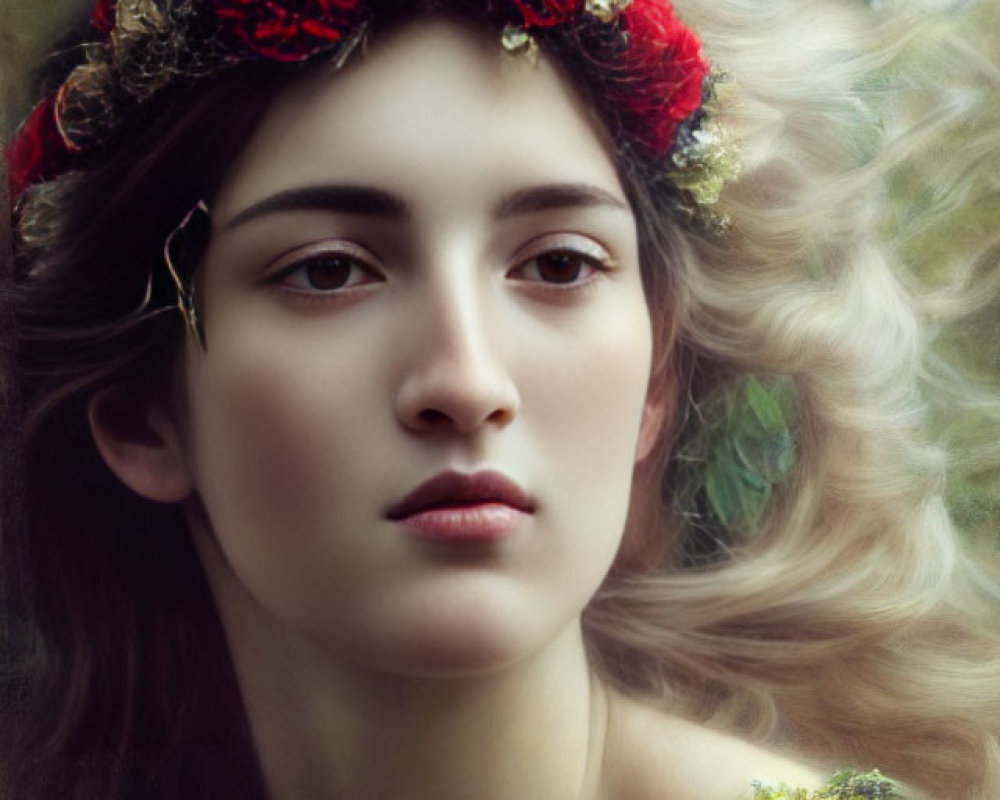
[648, 67]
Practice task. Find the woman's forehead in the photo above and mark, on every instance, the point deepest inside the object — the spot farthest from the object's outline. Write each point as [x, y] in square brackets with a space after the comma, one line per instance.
[436, 102]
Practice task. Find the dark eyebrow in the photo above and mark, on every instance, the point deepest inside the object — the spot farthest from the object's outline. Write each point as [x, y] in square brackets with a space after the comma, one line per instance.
[554, 196]
[368, 201]
[340, 198]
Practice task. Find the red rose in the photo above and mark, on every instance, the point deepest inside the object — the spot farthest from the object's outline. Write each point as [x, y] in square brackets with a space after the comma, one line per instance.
[37, 152]
[285, 30]
[666, 56]
[546, 13]
[103, 17]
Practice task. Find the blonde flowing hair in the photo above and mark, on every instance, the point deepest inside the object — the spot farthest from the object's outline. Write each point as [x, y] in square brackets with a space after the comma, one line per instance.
[858, 623]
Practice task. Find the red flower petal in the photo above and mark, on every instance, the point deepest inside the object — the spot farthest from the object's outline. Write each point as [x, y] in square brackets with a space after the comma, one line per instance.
[554, 12]
[666, 57]
[103, 17]
[320, 30]
[234, 14]
[285, 30]
[37, 152]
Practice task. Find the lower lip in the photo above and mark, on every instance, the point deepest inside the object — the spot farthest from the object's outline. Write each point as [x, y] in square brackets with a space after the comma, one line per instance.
[487, 522]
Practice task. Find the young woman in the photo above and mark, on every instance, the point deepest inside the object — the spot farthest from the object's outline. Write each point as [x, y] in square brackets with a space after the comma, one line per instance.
[493, 452]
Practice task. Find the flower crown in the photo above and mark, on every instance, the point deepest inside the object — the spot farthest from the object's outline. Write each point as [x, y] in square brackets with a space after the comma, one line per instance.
[646, 63]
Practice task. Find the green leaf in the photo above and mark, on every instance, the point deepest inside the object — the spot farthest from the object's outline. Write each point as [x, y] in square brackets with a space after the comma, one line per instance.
[771, 456]
[764, 406]
[738, 497]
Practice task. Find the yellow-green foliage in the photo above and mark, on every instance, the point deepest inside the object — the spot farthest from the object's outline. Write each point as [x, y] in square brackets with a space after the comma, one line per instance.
[942, 217]
[843, 786]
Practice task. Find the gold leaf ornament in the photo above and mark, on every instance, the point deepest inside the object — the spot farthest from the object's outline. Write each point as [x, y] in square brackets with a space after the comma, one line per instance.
[606, 10]
[518, 40]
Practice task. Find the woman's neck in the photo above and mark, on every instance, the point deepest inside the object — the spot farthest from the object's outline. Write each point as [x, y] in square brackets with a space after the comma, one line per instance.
[322, 729]
[324, 726]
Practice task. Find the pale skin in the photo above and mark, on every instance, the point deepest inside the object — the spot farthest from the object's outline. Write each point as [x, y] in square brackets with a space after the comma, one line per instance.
[374, 664]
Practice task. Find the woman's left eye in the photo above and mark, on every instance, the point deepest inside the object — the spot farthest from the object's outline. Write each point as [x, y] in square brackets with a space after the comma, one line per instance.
[326, 273]
[563, 266]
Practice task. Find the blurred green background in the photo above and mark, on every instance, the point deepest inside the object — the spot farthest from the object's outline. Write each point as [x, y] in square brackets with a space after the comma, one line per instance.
[27, 28]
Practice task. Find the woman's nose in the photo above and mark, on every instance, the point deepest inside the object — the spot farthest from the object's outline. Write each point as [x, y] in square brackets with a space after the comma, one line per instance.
[456, 377]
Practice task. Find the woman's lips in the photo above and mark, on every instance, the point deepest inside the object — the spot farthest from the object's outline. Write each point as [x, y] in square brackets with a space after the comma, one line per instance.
[454, 507]
[486, 522]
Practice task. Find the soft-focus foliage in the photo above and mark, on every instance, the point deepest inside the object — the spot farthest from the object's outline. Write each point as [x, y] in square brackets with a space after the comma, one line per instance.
[843, 786]
[27, 28]
[944, 204]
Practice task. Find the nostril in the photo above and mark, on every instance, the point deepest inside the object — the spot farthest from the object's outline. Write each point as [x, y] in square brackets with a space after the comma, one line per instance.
[465, 420]
[431, 416]
[501, 415]
[456, 396]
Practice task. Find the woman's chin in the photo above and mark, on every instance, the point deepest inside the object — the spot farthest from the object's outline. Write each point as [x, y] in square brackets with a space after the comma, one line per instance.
[464, 637]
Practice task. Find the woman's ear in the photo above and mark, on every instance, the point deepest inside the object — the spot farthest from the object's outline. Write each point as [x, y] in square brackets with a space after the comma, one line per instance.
[659, 412]
[654, 417]
[139, 442]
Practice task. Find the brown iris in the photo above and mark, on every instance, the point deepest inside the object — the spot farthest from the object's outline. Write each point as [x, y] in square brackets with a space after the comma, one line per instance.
[559, 267]
[328, 272]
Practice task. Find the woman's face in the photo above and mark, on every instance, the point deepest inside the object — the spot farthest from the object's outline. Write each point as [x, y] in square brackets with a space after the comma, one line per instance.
[424, 264]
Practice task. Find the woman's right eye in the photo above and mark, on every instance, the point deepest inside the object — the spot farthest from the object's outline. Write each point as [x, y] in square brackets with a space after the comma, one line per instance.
[326, 273]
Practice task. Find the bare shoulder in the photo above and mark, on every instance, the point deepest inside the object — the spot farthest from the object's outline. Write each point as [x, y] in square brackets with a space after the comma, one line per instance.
[651, 755]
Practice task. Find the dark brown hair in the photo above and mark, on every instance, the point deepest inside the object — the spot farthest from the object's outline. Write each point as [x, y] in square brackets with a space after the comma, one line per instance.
[118, 677]
[121, 677]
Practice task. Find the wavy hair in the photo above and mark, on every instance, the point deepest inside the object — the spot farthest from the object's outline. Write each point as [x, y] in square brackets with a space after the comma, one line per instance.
[856, 623]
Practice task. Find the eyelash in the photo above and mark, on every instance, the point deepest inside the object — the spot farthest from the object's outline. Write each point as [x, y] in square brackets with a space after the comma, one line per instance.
[353, 257]
[356, 259]
[594, 262]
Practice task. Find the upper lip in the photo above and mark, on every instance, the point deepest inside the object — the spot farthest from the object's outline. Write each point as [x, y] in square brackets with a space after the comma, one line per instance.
[449, 489]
